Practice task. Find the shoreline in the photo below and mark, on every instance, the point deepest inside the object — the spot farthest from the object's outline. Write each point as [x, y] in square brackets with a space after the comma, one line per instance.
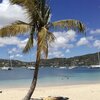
[73, 92]
[46, 85]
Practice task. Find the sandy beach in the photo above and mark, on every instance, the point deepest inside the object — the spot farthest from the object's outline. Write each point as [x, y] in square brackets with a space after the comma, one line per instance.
[73, 92]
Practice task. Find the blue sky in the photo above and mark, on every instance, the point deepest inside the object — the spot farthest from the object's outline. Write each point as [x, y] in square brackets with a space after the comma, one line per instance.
[67, 44]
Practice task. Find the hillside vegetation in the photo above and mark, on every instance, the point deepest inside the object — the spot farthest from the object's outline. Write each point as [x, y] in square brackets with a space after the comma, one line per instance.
[84, 60]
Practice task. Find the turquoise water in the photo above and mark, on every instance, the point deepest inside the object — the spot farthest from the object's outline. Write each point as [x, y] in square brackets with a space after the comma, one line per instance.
[21, 77]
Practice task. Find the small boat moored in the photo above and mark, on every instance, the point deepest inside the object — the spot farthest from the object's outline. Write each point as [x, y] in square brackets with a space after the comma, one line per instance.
[31, 68]
[6, 68]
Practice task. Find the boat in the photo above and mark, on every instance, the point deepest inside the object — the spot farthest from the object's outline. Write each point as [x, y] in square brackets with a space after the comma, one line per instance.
[10, 63]
[6, 68]
[96, 66]
[31, 68]
[72, 67]
[62, 67]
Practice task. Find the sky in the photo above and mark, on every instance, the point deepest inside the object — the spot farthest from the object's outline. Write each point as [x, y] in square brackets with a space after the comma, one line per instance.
[67, 43]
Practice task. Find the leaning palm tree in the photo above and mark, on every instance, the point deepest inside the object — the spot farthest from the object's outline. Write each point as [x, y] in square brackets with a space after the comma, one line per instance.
[38, 28]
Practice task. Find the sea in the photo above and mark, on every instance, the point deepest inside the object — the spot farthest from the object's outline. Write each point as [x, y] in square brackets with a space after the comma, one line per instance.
[22, 77]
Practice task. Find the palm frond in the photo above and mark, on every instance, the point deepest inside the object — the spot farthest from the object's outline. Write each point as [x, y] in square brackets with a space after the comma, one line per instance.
[29, 5]
[18, 2]
[24, 3]
[69, 24]
[45, 11]
[45, 50]
[42, 36]
[16, 28]
[47, 15]
[42, 41]
[30, 42]
[50, 37]
[29, 45]
[42, 7]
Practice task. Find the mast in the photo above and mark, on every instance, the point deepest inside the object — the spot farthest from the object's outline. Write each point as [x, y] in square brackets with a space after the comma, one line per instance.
[98, 58]
[10, 62]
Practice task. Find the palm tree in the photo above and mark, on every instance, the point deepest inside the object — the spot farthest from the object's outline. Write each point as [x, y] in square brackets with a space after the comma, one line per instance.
[39, 14]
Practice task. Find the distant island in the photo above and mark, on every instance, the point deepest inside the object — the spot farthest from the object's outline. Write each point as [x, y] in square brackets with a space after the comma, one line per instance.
[84, 60]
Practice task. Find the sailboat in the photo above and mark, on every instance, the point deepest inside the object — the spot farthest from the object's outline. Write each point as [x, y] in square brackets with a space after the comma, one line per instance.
[97, 66]
[10, 63]
[8, 68]
[30, 66]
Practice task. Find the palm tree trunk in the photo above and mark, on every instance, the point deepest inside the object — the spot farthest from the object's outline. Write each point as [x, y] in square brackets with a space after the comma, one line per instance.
[35, 76]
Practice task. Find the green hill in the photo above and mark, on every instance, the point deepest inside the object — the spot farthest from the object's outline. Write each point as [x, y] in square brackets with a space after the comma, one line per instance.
[86, 60]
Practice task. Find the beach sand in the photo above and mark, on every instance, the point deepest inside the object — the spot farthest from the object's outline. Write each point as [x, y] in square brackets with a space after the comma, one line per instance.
[73, 92]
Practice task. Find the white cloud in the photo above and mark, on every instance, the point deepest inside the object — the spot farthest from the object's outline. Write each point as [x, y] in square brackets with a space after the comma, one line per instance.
[10, 52]
[18, 55]
[90, 38]
[22, 43]
[67, 51]
[14, 53]
[63, 39]
[56, 54]
[12, 56]
[9, 41]
[83, 41]
[14, 50]
[97, 31]
[62, 43]
[97, 44]
[10, 13]
[1, 45]
[71, 35]
[13, 41]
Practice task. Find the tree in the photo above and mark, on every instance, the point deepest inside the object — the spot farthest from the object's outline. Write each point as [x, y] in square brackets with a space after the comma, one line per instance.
[39, 14]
